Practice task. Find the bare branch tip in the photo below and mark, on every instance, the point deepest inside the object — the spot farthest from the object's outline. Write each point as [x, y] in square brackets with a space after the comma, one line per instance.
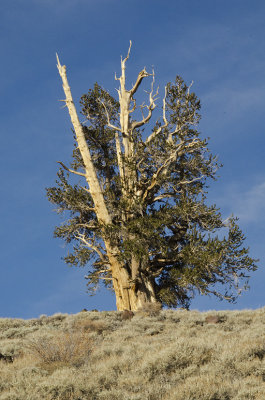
[58, 61]
[128, 54]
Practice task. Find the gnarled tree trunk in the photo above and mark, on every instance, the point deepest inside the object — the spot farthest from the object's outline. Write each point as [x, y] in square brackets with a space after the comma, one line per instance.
[132, 289]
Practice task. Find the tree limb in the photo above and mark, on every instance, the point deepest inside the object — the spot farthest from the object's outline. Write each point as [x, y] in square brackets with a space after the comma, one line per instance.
[158, 172]
[108, 119]
[164, 196]
[71, 170]
[142, 74]
[157, 132]
[191, 181]
[151, 107]
[91, 175]
[165, 166]
[91, 245]
[86, 189]
[119, 157]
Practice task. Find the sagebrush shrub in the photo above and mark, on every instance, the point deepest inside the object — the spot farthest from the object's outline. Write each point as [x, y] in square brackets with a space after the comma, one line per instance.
[86, 325]
[151, 309]
[66, 348]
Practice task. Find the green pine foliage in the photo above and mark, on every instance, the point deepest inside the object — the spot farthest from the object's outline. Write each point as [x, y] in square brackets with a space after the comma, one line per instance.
[170, 227]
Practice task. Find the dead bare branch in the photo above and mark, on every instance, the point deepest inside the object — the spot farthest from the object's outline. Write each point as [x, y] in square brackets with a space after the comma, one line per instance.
[142, 74]
[91, 244]
[86, 189]
[128, 54]
[91, 175]
[119, 156]
[187, 182]
[163, 169]
[108, 119]
[71, 170]
[150, 107]
[157, 132]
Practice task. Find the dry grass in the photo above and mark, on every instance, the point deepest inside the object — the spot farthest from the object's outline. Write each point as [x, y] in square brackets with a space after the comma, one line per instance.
[155, 355]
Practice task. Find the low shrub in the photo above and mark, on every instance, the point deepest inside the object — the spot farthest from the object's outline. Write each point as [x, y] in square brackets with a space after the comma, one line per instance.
[150, 309]
[86, 325]
[63, 349]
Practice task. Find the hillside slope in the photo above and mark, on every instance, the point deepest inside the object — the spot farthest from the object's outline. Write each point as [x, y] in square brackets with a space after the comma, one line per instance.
[180, 355]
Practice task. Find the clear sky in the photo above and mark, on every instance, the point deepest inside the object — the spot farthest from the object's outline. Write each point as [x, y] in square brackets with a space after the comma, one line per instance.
[219, 44]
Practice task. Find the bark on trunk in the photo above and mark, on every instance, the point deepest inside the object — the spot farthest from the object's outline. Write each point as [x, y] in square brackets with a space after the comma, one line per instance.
[131, 294]
[132, 289]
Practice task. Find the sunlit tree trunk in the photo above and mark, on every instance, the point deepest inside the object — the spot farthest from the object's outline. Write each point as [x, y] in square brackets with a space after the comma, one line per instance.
[132, 289]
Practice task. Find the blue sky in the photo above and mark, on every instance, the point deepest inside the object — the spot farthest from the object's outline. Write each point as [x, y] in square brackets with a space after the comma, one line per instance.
[218, 44]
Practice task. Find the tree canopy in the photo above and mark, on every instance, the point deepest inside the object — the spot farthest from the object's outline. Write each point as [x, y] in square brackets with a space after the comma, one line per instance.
[157, 239]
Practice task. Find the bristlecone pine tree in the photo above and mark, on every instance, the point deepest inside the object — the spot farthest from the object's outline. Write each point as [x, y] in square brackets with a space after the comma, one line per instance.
[137, 212]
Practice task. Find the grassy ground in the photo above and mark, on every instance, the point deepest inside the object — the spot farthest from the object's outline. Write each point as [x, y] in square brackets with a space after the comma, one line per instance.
[170, 355]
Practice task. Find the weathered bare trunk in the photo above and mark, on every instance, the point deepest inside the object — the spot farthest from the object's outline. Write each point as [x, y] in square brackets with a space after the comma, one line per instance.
[132, 289]
[132, 292]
